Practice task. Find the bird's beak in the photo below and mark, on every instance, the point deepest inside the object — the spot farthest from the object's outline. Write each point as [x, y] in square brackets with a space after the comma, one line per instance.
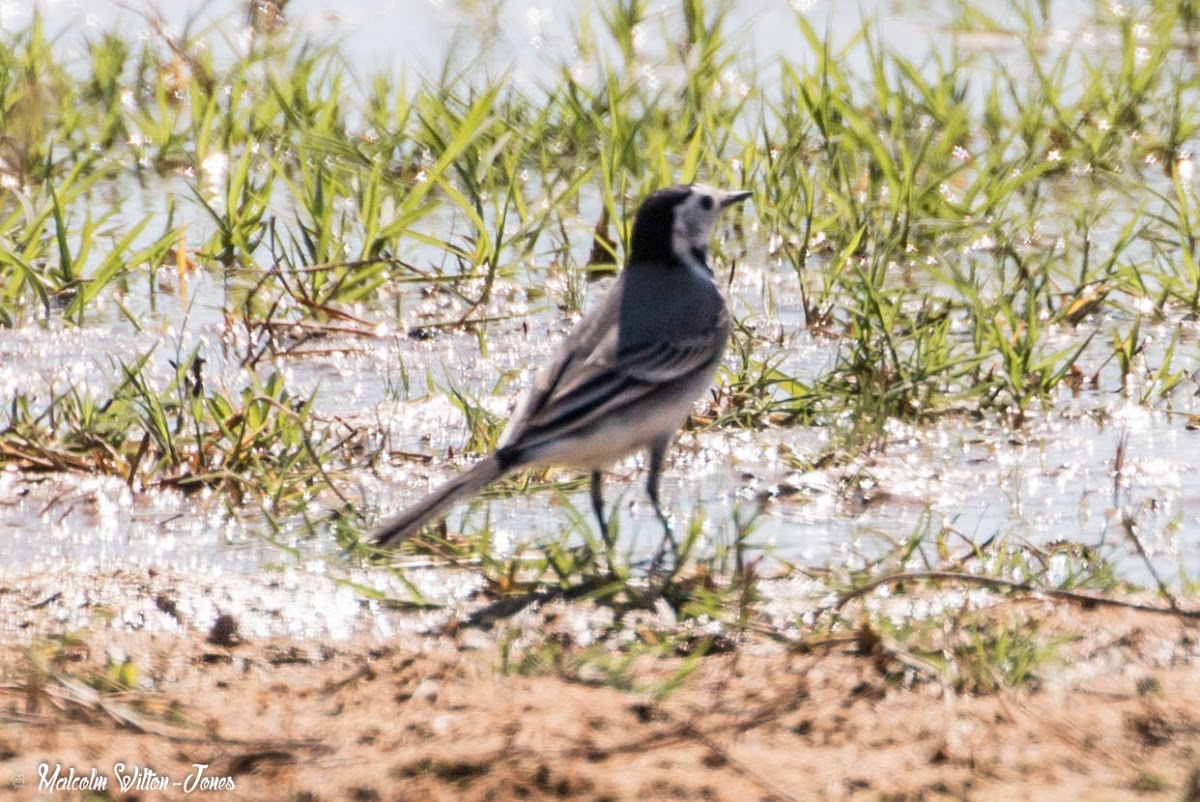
[734, 197]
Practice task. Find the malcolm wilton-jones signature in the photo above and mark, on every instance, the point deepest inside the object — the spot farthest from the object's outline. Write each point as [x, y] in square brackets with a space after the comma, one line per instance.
[129, 778]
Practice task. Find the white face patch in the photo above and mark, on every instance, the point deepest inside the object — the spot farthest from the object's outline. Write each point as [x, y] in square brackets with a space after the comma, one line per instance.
[695, 218]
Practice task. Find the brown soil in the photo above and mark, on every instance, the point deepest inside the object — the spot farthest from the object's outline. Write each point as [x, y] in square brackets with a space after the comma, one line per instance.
[434, 718]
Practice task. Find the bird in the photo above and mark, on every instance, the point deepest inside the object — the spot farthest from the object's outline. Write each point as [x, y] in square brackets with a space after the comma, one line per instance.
[626, 376]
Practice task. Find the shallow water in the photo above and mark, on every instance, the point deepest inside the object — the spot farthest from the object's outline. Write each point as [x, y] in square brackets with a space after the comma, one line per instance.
[1052, 480]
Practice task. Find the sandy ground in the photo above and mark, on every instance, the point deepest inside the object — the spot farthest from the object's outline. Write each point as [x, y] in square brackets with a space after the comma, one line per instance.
[434, 717]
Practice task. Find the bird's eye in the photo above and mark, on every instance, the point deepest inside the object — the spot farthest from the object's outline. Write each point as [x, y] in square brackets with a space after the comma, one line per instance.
[706, 203]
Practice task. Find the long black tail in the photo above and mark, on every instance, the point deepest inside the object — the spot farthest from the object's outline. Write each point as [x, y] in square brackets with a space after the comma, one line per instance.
[468, 483]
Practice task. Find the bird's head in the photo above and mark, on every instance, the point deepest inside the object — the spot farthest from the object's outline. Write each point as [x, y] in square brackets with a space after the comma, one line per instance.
[675, 224]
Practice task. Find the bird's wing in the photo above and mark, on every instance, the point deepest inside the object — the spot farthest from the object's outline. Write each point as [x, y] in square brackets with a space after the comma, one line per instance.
[586, 390]
[627, 349]
[664, 361]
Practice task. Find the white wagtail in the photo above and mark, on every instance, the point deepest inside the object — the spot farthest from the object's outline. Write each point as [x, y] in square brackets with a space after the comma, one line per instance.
[627, 375]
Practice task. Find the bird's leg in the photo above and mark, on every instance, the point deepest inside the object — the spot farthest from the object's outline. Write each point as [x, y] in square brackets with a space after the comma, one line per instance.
[658, 454]
[597, 490]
